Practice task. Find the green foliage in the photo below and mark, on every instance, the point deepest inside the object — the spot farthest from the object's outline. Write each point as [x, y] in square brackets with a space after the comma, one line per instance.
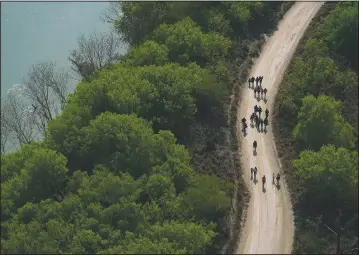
[169, 96]
[42, 175]
[120, 141]
[329, 177]
[100, 208]
[12, 163]
[186, 39]
[207, 198]
[320, 122]
[148, 53]
[315, 73]
[340, 31]
[241, 12]
[186, 236]
[217, 21]
[308, 242]
[139, 19]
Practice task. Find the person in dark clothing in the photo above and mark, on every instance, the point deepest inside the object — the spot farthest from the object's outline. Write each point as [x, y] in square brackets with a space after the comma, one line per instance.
[259, 111]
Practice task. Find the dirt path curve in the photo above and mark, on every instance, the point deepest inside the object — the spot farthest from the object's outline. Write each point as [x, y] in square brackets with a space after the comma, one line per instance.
[269, 226]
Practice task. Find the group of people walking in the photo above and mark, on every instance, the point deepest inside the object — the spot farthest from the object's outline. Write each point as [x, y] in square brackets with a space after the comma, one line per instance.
[257, 120]
[259, 123]
[257, 88]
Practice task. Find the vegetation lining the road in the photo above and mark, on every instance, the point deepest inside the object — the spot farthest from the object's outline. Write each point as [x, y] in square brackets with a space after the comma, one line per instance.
[143, 157]
[316, 116]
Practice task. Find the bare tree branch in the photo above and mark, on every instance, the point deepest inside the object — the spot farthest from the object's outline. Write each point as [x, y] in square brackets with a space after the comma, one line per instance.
[17, 119]
[27, 109]
[111, 13]
[330, 229]
[47, 90]
[94, 52]
[340, 231]
[351, 247]
[5, 132]
[347, 224]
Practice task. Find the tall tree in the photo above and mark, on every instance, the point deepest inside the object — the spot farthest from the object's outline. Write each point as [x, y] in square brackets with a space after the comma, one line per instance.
[320, 122]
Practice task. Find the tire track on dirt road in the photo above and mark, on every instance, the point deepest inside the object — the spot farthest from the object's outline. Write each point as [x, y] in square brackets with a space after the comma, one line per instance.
[269, 226]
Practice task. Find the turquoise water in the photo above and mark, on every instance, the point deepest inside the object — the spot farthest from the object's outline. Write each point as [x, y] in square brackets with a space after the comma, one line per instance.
[42, 31]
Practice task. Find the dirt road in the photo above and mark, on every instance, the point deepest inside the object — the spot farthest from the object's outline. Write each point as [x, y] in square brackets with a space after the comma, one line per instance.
[269, 226]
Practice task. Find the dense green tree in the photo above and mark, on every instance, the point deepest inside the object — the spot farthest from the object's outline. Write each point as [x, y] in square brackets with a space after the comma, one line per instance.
[186, 236]
[42, 176]
[216, 21]
[186, 43]
[340, 31]
[138, 20]
[207, 198]
[320, 122]
[104, 210]
[148, 53]
[12, 163]
[329, 178]
[121, 141]
[144, 245]
[169, 96]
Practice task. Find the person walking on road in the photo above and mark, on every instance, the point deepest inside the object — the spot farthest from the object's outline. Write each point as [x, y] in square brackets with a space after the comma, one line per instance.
[273, 179]
[278, 178]
[265, 122]
[259, 111]
[267, 113]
